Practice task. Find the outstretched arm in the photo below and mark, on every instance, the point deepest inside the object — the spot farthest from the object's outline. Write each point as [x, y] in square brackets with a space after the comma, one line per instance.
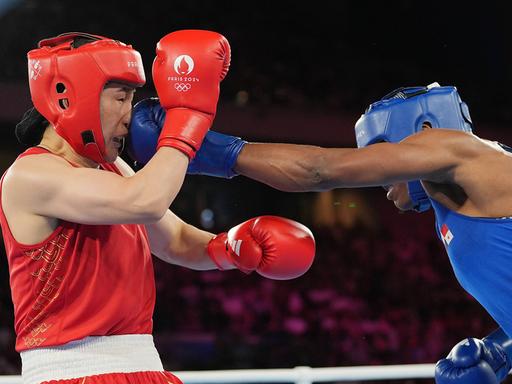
[431, 155]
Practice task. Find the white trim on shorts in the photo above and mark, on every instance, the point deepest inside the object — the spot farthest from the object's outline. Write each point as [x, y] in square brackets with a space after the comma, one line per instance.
[92, 355]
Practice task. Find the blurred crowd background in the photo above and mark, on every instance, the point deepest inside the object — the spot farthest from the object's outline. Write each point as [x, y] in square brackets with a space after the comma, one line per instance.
[381, 290]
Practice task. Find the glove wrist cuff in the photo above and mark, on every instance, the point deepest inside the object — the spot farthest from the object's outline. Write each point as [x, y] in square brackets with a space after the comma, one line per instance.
[496, 356]
[186, 125]
[232, 157]
[217, 251]
[178, 144]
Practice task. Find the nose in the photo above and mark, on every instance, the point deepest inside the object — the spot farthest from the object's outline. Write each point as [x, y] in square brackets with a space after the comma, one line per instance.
[127, 117]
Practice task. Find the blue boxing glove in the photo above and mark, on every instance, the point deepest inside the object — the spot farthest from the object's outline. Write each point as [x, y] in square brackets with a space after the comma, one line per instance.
[474, 361]
[216, 156]
[145, 126]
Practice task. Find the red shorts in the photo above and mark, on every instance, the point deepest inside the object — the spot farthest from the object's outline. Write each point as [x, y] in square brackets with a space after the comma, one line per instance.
[123, 378]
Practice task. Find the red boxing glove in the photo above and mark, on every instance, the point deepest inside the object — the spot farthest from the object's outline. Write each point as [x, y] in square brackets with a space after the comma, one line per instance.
[275, 247]
[187, 70]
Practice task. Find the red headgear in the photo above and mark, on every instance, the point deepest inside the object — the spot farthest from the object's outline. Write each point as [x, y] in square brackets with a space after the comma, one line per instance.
[66, 82]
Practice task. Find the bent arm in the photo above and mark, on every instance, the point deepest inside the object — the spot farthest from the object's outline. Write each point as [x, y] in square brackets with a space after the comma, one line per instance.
[429, 155]
[47, 185]
[176, 242]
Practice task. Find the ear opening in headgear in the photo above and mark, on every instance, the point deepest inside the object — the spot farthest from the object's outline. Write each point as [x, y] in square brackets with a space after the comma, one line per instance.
[88, 137]
[64, 103]
[61, 89]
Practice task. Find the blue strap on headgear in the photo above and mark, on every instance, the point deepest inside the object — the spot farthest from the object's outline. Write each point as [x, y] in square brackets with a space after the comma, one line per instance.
[402, 113]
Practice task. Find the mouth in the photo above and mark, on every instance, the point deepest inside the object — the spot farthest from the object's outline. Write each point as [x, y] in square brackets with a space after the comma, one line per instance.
[118, 142]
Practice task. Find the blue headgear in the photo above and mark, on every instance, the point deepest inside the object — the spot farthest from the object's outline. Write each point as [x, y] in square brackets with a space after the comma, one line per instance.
[402, 113]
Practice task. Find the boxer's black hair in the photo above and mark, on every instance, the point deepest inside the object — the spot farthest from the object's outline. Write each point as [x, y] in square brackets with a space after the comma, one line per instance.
[30, 129]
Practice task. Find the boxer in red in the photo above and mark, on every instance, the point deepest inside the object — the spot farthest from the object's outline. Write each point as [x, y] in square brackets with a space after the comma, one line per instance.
[80, 226]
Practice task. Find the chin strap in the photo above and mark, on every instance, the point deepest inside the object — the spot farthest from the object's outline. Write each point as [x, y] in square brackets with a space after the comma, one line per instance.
[418, 196]
[122, 145]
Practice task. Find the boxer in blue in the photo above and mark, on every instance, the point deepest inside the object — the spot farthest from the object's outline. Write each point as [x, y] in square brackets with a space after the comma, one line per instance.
[418, 143]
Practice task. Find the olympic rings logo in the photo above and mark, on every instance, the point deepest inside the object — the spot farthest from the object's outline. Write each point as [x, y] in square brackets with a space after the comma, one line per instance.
[182, 87]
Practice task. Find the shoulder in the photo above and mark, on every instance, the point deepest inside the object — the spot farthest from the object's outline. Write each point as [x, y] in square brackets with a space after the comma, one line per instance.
[460, 143]
[34, 173]
[32, 179]
[34, 166]
[441, 134]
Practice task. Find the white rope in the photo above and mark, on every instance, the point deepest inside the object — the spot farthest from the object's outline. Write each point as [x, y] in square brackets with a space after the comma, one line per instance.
[298, 375]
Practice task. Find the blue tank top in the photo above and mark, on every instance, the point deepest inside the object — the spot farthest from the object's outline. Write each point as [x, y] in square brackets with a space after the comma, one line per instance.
[480, 251]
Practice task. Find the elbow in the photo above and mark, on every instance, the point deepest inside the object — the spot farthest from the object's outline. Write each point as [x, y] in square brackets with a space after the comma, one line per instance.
[317, 177]
[154, 211]
[148, 211]
[325, 176]
[325, 181]
[320, 179]
[320, 184]
[306, 174]
[312, 181]
[154, 214]
[146, 206]
[318, 169]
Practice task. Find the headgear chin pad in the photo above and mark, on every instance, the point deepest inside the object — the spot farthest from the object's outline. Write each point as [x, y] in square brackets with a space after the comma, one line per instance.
[66, 80]
[403, 112]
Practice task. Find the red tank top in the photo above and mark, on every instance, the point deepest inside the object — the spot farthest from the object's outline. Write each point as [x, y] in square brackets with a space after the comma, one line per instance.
[83, 280]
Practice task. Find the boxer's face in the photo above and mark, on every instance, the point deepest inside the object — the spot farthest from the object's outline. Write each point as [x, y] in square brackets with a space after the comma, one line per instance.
[399, 194]
[115, 112]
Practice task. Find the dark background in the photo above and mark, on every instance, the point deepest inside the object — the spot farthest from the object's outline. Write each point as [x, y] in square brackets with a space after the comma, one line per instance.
[381, 290]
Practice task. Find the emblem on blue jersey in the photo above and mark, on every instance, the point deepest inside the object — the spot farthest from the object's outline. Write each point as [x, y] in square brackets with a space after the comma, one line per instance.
[446, 234]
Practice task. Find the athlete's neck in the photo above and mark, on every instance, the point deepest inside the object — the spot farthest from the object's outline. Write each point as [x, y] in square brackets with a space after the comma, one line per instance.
[55, 144]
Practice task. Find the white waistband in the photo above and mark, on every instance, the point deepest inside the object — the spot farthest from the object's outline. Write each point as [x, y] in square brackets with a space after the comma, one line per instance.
[93, 355]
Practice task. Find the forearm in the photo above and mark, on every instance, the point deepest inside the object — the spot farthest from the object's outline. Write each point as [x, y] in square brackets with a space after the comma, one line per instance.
[302, 168]
[192, 250]
[155, 186]
[289, 167]
[176, 242]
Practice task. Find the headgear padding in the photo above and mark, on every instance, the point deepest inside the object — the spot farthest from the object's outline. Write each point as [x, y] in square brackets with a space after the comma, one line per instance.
[66, 81]
[402, 113]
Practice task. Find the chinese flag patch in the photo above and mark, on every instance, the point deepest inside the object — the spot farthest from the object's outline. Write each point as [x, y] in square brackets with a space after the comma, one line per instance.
[446, 234]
